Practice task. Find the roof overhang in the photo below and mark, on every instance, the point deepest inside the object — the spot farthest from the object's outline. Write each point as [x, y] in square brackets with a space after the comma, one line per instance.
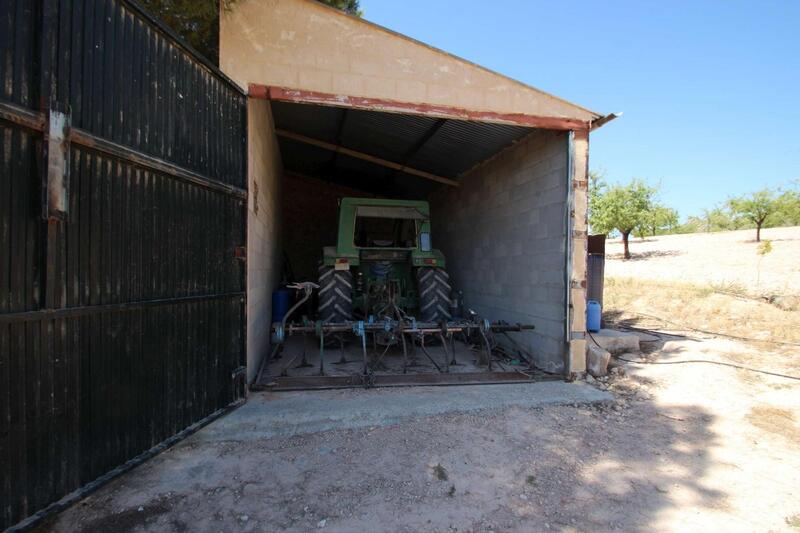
[300, 96]
[394, 148]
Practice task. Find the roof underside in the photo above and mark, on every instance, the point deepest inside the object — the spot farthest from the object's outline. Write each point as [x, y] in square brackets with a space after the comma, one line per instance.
[444, 147]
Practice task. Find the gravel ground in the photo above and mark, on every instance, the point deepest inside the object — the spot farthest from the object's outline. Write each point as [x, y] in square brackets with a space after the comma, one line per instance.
[720, 258]
[681, 448]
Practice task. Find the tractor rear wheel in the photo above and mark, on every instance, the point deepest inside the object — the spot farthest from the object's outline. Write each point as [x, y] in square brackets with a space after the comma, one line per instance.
[433, 285]
[335, 294]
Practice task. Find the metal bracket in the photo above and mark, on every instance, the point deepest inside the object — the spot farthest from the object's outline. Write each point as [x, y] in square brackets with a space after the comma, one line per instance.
[55, 200]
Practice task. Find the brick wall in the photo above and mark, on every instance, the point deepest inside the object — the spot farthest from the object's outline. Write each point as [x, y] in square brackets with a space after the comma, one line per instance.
[503, 234]
[310, 219]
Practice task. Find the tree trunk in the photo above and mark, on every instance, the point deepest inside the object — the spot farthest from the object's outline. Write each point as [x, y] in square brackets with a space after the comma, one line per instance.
[758, 231]
[627, 253]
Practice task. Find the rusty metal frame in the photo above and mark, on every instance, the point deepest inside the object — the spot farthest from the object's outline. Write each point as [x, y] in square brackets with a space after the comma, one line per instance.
[299, 96]
[289, 383]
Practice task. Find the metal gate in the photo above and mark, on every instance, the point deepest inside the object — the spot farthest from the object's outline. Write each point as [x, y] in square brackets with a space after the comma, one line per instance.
[122, 217]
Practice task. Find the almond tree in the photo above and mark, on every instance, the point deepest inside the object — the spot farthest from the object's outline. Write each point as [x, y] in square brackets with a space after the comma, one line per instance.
[756, 207]
[621, 208]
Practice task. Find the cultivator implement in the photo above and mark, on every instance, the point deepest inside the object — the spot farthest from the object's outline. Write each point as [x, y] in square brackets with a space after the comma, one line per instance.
[377, 335]
[383, 290]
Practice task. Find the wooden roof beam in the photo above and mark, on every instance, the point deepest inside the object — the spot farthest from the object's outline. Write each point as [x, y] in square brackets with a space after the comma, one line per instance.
[365, 157]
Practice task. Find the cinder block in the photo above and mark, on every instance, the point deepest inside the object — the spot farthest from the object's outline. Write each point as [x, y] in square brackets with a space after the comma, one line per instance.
[316, 79]
[348, 84]
[526, 226]
[577, 355]
[377, 85]
[578, 298]
[413, 91]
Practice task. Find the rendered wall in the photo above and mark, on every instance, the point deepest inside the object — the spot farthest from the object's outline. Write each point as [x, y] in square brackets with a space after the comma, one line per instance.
[302, 44]
[263, 229]
[579, 229]
[503, 234]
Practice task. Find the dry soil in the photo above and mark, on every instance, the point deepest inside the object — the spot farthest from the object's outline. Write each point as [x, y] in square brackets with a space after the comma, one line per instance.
[722, 259]
[683, 447]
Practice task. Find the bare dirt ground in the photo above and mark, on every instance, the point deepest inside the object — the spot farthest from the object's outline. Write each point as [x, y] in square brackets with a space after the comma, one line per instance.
[724, 258]
[683, 447]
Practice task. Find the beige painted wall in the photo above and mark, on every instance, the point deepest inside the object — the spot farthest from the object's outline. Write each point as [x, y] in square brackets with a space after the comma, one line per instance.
[304, 45]
[263, 229]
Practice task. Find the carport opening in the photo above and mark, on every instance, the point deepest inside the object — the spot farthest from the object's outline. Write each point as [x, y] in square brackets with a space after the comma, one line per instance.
[331, 153]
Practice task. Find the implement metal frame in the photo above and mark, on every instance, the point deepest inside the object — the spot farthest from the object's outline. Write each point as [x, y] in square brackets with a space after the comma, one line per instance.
[402, 332]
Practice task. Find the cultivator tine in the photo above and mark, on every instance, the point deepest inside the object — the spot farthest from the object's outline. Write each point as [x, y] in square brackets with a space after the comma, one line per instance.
[488, 349]
[427, 354]
[304, 362]
[452, 338]
[522, 353]
[394, 329]
[364, 351]
[358, 329]
[379, 360]
[321, 349]
[446, 354]
[405, 351]
[342, 359]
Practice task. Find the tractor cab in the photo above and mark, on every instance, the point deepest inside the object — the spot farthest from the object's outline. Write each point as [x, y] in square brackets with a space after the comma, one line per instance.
[383, 263]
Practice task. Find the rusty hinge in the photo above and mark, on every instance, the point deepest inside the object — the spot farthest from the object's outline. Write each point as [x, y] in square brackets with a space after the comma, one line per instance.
[240, 253]
[55, 200]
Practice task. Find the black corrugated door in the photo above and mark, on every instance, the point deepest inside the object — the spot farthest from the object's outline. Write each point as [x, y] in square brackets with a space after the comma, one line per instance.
[122, 205]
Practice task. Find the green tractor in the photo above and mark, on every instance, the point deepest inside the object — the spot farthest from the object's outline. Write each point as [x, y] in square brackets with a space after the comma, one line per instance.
[383, 264]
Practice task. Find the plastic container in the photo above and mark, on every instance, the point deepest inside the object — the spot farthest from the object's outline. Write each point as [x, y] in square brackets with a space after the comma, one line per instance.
[593, 315]
[281, 300]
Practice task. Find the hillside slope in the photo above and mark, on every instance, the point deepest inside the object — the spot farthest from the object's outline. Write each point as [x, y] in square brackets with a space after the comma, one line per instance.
[721, 259]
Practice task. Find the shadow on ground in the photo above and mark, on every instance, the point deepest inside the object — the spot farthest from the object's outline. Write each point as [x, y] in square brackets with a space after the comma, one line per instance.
[586, 467]
[639, 256]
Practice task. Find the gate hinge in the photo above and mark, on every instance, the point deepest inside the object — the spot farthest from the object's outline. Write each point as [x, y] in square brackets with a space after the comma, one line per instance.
[240, 253]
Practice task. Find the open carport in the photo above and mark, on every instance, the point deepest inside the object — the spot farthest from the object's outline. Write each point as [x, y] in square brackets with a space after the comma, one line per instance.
[502, 165]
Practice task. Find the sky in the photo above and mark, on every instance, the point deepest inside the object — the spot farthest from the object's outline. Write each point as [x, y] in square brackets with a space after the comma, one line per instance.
[710, 89]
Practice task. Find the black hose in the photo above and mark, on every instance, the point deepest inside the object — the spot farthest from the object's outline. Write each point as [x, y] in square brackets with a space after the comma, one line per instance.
[707, 361]
[732, 365]
[714, 333]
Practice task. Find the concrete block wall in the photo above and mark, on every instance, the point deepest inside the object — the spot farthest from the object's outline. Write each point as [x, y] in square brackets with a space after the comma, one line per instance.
[503, 234]
[310, 210]
[263, 229]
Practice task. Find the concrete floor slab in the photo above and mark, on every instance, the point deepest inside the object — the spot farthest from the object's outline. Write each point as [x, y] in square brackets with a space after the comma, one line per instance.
[267, 415]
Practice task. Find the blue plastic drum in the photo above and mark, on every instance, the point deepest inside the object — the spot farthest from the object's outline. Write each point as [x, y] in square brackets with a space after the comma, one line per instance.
[281, 300]
[593, 316]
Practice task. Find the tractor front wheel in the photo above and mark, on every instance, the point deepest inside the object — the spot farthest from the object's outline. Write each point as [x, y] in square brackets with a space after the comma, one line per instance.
[433, 285]
[335, 294]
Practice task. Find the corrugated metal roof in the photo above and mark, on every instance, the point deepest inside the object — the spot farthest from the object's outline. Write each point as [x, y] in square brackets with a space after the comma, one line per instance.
[445, 147]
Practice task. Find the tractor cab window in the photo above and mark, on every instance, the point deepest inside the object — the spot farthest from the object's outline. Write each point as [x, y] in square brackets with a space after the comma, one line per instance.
[379, 232]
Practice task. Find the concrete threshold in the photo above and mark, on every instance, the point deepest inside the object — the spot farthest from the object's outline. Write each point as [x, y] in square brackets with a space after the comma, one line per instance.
[285, 414]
